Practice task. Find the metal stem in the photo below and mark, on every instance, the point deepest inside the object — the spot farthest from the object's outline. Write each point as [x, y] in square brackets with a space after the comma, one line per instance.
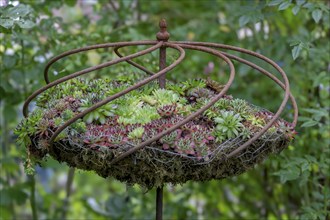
[162, 35]
[162, 65]
[159, 203]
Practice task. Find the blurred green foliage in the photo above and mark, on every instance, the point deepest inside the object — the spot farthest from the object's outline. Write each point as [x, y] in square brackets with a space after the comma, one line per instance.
[294, 33]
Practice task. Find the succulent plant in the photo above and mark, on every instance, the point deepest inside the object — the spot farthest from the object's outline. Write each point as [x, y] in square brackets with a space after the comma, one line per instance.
[240, 106]
[178, 88]
[43, 127]
[256, 121]
[50, 114]
[169, 138]
[246, 133]
[141, 115]
[137, 133]
[79, 127]
[149, 99]
[165, 97]
[61, 105]
[67, 114]
[185, 146]
[193, 83]
[98, 115]
[228, 124]
[214, 111]
[46, 96]
[167, 110]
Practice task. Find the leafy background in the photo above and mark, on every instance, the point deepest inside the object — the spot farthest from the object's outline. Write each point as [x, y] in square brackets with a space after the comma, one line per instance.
[294, 33]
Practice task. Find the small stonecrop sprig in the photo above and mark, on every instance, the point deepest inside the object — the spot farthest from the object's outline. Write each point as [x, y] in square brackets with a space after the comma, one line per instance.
[137, 115]
[193, 83]
[256, 121]
[137, 133]
[165, 97]
[228, 125]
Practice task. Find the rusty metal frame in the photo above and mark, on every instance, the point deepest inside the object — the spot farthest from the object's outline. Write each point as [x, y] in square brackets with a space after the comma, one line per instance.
[162, 44]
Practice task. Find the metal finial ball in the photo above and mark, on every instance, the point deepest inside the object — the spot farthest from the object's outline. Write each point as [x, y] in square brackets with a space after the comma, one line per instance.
[163, 35]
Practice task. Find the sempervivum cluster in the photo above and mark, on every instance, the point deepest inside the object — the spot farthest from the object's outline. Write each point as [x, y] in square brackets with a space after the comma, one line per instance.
[144, 113]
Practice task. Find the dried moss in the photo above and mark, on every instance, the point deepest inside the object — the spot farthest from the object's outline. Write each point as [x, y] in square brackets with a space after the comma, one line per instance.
[152, 167]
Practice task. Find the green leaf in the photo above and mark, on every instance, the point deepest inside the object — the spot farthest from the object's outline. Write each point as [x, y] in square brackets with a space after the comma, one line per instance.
[89, 118]
[300, 2]
[309, 123]
[317, 112]
[317, 15]
[284, 5]
[9, 61]
[243, 20]
[308, 5]
[93, 205]
[102, 119]
[6, 23]
[20, 10]
[26, 24]
[296, 51]
[296, 9]
[275, 2]
[294, 43]
[96, 115]
[292, 173]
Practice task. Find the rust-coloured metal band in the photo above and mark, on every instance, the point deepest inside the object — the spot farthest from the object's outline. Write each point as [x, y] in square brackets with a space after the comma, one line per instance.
[271, 76]
[93, 47]
[116, 50]
[252, 53]
[90, 69]
[191, 116]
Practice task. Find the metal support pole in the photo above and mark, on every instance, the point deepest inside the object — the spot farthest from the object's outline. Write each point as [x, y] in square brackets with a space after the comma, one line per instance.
[159, 203]
[162, 65]
[162, 35]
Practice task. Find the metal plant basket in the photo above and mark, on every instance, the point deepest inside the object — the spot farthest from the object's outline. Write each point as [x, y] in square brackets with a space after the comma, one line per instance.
[146, 162]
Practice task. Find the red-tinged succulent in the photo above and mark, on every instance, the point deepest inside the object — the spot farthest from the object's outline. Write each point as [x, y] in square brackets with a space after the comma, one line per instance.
[167, 110]
[44, 127]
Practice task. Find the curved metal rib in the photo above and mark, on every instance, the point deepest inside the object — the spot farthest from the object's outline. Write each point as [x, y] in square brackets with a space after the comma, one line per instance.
[92, 47]
[282, 106]
[133, 63]
[121, 93]
[193, 115]
[271, 76]
[252, 53]
[73, 75]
